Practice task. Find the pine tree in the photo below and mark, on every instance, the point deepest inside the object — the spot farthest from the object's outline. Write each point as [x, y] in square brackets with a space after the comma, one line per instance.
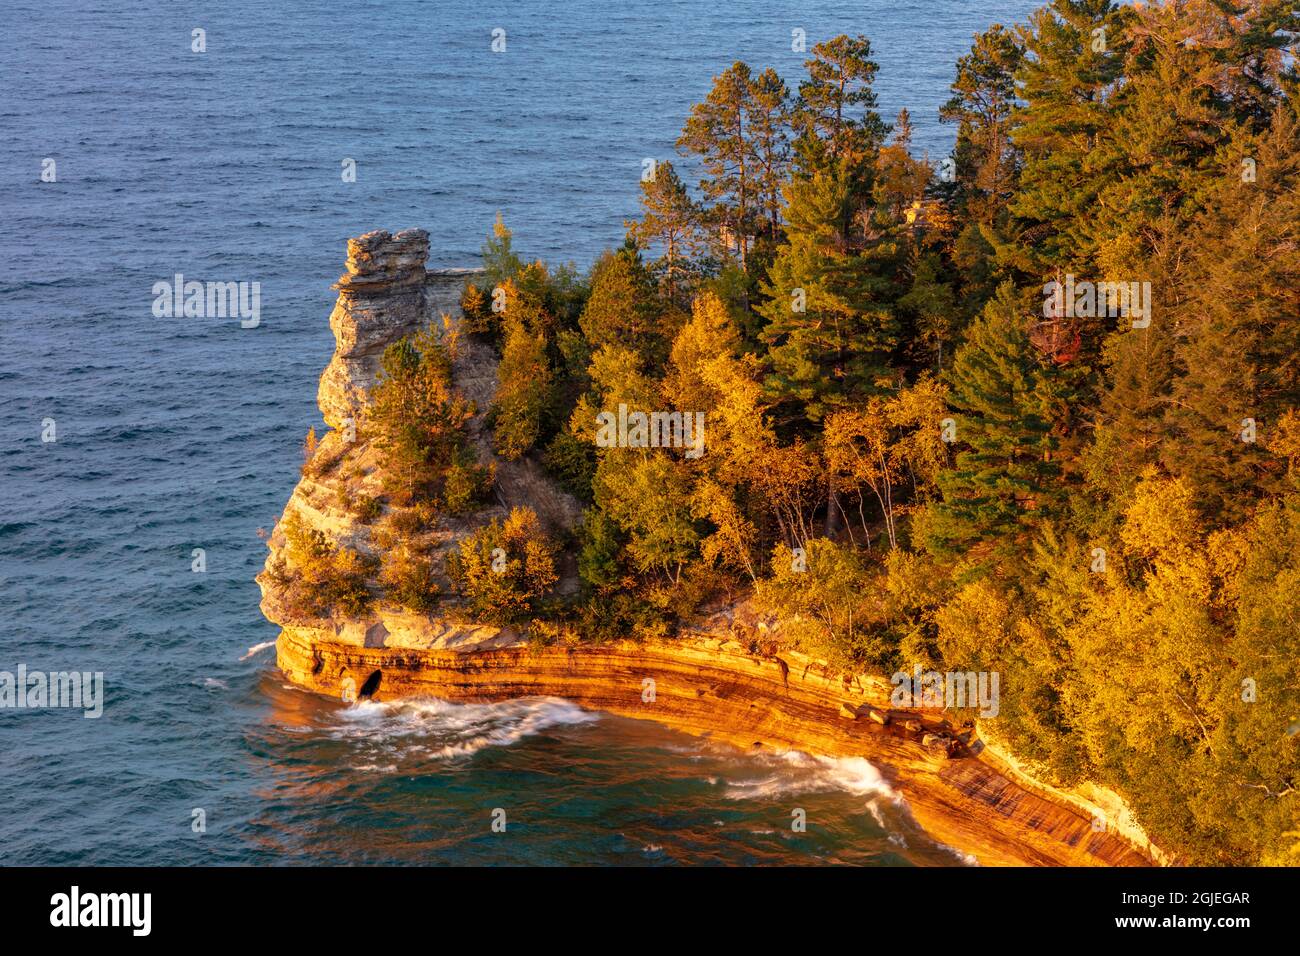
[982, 174]
[835, 115]
[984, 95]
[598, 556]
[715, 131]
[1131, 430]
[1065, 81]
[1238, 338]
[416, 419]
[670, 223]
[620, 309]
[830, 327]
[930, 308]
[1002, 482]
[767, 129]
[1176, 393]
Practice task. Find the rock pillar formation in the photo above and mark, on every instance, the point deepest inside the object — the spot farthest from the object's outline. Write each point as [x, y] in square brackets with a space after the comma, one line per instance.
[381, 299]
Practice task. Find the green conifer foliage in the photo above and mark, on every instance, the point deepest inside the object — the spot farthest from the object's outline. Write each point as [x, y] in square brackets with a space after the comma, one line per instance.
[1002, 483]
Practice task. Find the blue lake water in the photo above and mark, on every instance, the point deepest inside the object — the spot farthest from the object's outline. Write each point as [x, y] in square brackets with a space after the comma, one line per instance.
[178, 434]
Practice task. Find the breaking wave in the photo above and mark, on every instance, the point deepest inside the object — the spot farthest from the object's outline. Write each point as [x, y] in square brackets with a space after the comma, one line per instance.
[257, 649]
[795, 772]
[442, 730]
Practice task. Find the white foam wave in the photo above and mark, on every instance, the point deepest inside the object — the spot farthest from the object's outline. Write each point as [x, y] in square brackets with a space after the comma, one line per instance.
[966, 858]
[442, 730]
[257, 649]
[795, 772]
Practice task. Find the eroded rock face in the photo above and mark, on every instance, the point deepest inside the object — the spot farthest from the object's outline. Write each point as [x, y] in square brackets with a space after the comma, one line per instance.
[381, 298]
[387, 293]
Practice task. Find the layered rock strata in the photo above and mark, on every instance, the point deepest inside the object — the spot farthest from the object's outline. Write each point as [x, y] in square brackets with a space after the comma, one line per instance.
[712, 687]
[381, 298]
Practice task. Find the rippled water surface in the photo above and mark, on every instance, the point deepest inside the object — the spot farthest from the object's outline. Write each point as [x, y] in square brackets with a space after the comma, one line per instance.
[181, 434]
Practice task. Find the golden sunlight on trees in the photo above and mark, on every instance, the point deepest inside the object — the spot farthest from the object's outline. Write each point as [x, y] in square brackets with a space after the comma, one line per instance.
[910, 449]
[317, 577]
[417, 421]
[505, 569]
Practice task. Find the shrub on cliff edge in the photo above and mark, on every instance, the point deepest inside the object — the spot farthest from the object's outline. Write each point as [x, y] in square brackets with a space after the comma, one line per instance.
[409, 579]
[504, 569]
[317, 578]
[418, 421]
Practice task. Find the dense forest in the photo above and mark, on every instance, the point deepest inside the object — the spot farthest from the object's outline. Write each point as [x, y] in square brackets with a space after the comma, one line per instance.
[1032, 408]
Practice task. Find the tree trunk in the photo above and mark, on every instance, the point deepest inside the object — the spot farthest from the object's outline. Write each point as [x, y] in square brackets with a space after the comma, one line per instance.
[832, 510]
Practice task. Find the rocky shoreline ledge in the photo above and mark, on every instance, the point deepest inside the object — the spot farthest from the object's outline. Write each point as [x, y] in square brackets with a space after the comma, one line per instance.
[721, 681]
[713, 688]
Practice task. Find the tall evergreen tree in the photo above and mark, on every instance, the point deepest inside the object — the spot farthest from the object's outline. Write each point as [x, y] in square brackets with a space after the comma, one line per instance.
[1239, 342]
[1003, 480]
[985, 165]
[1130, 430]
[984, 95]
[830, 329]
[416, 419]
[621, 308]
[670, 222]
[835, 115]
[767, 128]
[1070, 71]
[716, 132]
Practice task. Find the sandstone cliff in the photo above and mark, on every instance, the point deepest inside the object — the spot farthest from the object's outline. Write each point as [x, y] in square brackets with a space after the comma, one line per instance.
[729, 680]
[385, 294]
[382, 297]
